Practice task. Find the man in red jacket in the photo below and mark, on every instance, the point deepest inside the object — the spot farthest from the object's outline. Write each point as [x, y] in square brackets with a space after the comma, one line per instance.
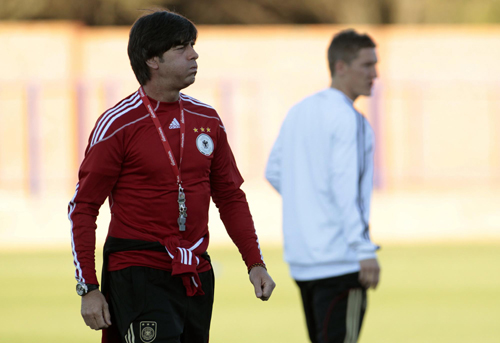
[159, 156]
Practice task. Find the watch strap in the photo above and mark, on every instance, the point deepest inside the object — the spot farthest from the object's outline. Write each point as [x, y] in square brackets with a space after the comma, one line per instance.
[83, 288]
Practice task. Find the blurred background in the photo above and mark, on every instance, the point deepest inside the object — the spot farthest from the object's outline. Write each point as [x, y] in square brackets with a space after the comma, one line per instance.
[435, 111]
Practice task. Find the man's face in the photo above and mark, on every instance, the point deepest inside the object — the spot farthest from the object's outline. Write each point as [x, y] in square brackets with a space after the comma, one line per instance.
[360, 73]
[178, 66]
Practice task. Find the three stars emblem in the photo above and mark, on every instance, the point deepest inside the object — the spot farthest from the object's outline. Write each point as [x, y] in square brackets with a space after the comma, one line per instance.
[202, 129]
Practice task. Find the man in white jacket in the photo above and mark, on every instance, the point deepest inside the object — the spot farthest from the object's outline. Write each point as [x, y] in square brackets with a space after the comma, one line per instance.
[322, 165]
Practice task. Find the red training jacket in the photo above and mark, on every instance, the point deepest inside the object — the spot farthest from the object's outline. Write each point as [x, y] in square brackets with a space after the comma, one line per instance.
[125, 161]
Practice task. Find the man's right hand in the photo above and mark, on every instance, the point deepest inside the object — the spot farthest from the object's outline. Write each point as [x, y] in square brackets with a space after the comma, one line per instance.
[95, 310]
[369, 274]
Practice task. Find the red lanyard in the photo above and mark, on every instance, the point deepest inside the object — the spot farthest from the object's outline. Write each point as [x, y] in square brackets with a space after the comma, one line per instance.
[176, 169]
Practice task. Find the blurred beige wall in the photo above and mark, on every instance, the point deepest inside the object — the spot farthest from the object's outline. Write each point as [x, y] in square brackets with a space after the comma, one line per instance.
[434, 108]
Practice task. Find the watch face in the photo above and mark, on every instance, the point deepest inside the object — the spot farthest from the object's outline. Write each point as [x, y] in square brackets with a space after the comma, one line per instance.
[80, 289]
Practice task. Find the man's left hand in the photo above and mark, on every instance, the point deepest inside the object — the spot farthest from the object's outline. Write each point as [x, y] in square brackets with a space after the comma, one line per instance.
[262, 282]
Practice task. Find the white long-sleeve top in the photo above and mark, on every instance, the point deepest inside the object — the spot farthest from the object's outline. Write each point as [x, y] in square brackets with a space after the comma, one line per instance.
[322, 165]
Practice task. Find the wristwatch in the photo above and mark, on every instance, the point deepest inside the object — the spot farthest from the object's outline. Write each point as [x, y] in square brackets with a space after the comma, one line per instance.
[83, 288]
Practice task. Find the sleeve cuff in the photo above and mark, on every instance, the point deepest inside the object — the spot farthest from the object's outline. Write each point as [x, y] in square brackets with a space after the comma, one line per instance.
[367, 252]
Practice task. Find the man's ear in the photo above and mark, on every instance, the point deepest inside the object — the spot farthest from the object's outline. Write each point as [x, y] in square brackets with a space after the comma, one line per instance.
[153, 63]
[340, 67]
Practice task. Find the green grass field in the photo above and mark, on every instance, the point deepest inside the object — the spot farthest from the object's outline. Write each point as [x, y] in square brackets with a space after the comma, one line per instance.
[429, 293]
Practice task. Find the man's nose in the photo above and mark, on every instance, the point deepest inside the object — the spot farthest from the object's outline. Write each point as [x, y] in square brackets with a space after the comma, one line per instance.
[193, 54]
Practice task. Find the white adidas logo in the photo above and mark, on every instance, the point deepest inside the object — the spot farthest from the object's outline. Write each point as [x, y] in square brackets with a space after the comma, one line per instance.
[174, 124]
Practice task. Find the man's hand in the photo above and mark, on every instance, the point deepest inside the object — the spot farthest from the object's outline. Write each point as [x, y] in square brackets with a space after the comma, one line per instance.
[369, 273]
[95, 310]
[262, 282]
